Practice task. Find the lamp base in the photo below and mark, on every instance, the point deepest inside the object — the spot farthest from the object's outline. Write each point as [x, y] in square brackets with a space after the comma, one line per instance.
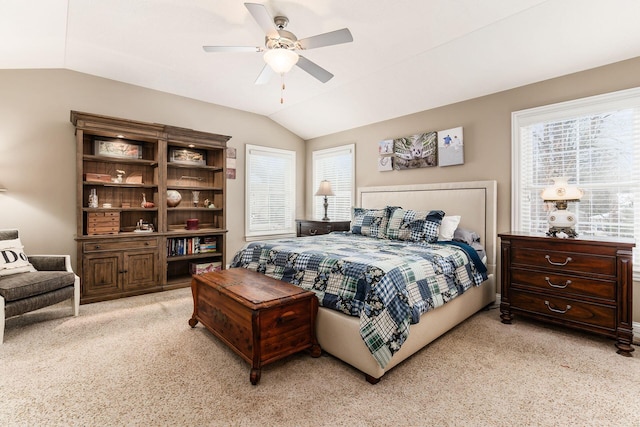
[568, 231]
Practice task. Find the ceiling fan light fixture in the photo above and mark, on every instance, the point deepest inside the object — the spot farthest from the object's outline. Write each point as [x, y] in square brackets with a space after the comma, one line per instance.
[281, 60]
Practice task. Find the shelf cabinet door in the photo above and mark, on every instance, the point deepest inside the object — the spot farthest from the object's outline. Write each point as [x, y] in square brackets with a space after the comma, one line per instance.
[140, 270]
[100, 274]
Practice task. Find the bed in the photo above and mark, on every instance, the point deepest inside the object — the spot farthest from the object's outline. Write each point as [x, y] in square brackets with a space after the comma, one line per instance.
[399, 319]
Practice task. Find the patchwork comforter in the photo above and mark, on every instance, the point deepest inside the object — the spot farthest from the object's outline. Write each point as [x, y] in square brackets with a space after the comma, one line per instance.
[388, 284]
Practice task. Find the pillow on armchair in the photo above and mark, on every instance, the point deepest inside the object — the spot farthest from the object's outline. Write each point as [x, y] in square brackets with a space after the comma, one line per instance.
[13, 260]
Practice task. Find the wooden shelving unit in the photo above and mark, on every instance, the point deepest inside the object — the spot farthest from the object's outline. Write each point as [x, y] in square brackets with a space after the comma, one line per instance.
[125, 162]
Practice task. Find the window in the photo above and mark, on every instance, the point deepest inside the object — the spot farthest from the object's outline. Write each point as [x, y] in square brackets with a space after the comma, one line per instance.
[270, 192]
[336, 165]
[596, 143]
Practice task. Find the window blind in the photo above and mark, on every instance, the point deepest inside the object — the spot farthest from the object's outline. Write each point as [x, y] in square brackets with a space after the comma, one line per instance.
[270, 191]
[596, 143]
[336, 165]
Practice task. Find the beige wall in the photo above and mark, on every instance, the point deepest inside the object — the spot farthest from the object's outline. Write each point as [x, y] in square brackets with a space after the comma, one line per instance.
[37, 147]
[486, 123]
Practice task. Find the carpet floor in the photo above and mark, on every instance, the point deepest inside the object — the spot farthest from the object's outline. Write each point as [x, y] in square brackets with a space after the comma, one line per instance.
[136, 362]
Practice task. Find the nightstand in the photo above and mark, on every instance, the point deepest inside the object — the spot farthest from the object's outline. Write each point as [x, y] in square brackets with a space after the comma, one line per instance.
[582, 283]
[308, 227]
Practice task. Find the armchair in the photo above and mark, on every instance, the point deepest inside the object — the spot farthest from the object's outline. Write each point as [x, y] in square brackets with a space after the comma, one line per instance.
[50, 281]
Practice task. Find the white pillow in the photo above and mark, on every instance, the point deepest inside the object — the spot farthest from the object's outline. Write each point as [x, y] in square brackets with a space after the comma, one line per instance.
[448, 227]
[13, 260]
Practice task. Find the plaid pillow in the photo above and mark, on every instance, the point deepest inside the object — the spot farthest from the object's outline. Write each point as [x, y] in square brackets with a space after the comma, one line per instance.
[371, 222]
[416, 226]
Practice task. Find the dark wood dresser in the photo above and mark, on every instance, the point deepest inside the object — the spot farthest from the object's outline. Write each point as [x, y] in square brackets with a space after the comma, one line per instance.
[583, 283]
[308, 227]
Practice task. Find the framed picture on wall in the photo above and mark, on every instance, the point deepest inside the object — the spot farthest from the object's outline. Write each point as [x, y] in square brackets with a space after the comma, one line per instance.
[450, 147]
[415, 151]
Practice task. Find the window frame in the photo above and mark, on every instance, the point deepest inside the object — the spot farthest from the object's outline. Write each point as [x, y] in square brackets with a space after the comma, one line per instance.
[289, 228]
[317, 176]
[629, 98]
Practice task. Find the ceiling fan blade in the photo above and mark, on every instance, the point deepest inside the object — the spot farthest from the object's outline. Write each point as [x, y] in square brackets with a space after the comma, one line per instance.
[314, 69]
[327, 39]
[232, 49]
[263, 18]
[265, 75]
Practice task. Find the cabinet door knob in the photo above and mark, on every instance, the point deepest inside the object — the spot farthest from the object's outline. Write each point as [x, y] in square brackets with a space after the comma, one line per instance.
[566, 261]
[553, 285]
[557, 310]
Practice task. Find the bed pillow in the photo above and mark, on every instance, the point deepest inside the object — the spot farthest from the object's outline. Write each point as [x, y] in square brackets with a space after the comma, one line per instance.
[13, 259]
[465, 236]
[448, 227]
[369, 222]
[416, 226]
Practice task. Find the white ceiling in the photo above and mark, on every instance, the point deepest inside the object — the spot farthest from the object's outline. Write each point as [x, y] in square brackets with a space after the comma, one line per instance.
[407, 55]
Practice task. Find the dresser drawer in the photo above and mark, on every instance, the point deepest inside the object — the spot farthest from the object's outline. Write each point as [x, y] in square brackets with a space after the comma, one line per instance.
[314, 228]
[577, 262]
[565, 309]
[564, 284]
[117, 245]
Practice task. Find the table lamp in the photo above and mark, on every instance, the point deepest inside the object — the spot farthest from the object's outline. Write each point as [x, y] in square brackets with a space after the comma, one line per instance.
[561, 220]
[325, 190]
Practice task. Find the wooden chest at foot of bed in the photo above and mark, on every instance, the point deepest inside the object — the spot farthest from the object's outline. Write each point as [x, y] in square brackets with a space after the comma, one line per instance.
[260, 318]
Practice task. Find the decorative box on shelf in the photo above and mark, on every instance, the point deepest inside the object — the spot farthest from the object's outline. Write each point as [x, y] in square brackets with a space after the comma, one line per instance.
[103, 223]
[97, 177]
[204, 267]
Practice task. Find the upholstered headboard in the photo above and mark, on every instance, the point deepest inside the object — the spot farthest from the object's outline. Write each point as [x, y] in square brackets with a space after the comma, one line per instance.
[474, 201]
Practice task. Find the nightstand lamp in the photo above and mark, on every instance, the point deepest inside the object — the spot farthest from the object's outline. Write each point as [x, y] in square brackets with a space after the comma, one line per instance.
[325, 190]
[561, 220]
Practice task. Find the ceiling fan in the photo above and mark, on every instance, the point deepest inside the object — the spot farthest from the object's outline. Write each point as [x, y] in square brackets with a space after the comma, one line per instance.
[280, 46]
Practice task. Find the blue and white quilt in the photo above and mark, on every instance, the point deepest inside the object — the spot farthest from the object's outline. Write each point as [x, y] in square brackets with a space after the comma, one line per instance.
[388, 284]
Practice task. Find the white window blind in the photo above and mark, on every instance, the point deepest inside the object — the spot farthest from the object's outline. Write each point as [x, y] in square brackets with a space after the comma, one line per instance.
[270, 191]
[336, 165]
[596, 143]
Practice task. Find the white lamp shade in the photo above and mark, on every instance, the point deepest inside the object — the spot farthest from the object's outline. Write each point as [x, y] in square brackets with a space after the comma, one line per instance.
[281, 59]
[561, 190]
[324, 189]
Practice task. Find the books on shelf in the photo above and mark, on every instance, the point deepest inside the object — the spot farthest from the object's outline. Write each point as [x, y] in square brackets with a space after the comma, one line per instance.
[180, 246]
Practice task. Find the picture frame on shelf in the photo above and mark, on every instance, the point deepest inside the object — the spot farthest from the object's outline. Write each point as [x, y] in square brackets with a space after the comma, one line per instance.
[187, 156]
[117, 148]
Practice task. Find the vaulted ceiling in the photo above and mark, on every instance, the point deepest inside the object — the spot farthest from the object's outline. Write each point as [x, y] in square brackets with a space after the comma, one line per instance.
[407, 55]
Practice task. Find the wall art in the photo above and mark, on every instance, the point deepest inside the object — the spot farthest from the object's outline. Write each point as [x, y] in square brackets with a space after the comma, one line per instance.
[385, 155]
[415, 151]
[450, 147]
[231, 163]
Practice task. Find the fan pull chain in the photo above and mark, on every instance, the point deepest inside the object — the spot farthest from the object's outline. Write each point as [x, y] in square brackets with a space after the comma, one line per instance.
[282, 89]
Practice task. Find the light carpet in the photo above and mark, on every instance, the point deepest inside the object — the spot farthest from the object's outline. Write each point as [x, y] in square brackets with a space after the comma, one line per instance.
[136, 362]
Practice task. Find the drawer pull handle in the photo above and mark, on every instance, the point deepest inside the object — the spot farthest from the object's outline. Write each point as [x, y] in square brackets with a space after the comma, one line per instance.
[313, 232]
[566, 261]
[287, 317]
[556, 310]
[97, 247]
[553, 285]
